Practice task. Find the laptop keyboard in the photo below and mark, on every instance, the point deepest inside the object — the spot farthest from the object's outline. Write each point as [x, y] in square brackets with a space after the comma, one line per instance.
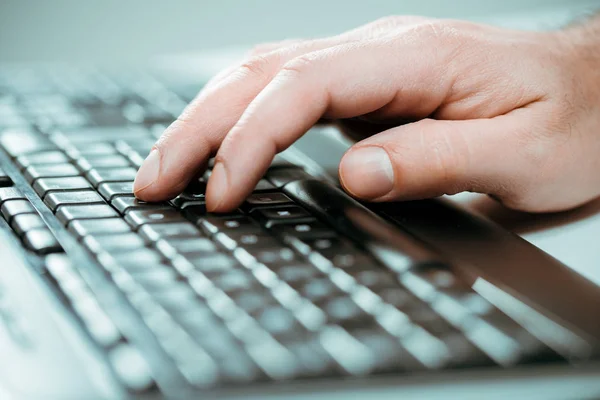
[269, 292]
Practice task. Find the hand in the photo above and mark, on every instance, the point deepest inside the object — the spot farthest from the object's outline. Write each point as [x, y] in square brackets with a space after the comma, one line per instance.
[512, 114]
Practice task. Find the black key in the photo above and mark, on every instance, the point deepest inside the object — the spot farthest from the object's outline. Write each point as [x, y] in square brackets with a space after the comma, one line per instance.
[235, 280]
[44, 158]
[135, 260]
[267, 199]
[119, 242]
[42, 241]
[273, 216]
[278, 321]
[101, 161]
[94, 134]
[212, 264]
[15, 207]
[96, 149]
[137, 218]
[264, 185]
[157, 279]
[272, 257]
[305, 230]
[50, 171]
[23, 223]
[19, 142]
[45, 185]
[295, 273]
[318, 290]
[103, 226]
[110, 190]
[193, 193]
[253, 302]
[66, 214]
[344, 311]
[279, 177]
[340, 252]
[374, 277]
[125, 204]
[101, 175]
[154, 232]
[248, 240]
[10, 193]
[230, 225]
[4, 179]
[57, 199]
[187, 245]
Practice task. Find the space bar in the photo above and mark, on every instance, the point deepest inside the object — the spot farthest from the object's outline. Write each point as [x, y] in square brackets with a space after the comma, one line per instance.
[397, 250]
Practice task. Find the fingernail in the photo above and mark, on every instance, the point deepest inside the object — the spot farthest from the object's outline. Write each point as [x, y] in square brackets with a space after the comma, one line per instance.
[148, 172]
[217, 187]
[367, 172]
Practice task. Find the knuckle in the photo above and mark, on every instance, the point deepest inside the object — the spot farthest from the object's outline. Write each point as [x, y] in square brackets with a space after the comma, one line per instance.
[298, 66]
[448, 159]
[257, 65]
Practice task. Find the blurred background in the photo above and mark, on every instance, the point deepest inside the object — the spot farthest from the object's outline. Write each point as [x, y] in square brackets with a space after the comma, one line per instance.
[109, 31]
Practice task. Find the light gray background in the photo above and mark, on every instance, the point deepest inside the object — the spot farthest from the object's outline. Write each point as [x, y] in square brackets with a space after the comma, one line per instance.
[131, 30]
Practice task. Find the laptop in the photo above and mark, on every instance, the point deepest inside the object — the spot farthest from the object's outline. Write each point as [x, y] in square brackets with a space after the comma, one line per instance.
[301, 292]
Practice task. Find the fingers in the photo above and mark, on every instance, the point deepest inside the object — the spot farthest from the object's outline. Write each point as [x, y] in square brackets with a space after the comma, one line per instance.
[195, 136]
[430, 158]
[340, 82]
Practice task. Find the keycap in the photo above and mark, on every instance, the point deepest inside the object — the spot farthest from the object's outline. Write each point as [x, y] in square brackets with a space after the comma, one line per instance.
[66, 214]
[172, 246]
[273, 216]
[137, 218]
[211, 264]
[154, 232]
[194, 192]
[50, 171]
[305, 230]
[96, 149]
[106, 226]
[138, 259]
[101, 161]
[117, 242]
[131, 368]
[101, 175]
[18, 142]
[57, 199]
[43, 158]
[248, 240]
[267, 199]
[93, 134]
[264, 185]
[347, 351]
[45, 185]
[4, 179]
[294, 273]
[318, 290]
[124, 204]
[42, 241]
[240, 225]
[279, 177]
[10, 193]
[110, 190]
[25, 222]
[15, 207]
[278, 321]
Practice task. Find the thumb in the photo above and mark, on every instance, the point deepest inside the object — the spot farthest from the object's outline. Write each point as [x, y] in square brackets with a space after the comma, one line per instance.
[430, 158]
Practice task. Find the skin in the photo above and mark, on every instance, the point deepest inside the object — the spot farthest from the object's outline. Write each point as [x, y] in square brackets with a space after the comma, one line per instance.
[512, 114]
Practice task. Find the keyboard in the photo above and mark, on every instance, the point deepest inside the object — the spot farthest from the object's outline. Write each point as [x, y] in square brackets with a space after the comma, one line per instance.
[179, 300]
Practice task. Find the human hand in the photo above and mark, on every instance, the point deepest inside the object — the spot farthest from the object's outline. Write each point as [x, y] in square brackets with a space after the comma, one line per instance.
[512, 114]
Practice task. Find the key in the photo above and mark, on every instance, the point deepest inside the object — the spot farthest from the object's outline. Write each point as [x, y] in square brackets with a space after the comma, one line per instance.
[57, 199]
[50, 171]
[194, 192]
[110, 190]
[96, 149]
[273, 216]
[98, 176]
[138, 218]
[235, 280]
[45, 185]
[263, 185]
[305, 230]
[15, 207]
[18, 142]
[43, 158]
[279, 321]
[296, 273]
[105, 226]
[119, 242]
[105, 133]
[267, 199]
[137, 259]
[212, 264]
[279, 177]
[101, 161]
[318, 289]
[10, 193]
[23, 223]
[41, 241]
[131, 368]
[125, 204]
[239, 225]
[154, 232]
[4, 179]
[248, 240]
[172, 246]
[66, 214]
